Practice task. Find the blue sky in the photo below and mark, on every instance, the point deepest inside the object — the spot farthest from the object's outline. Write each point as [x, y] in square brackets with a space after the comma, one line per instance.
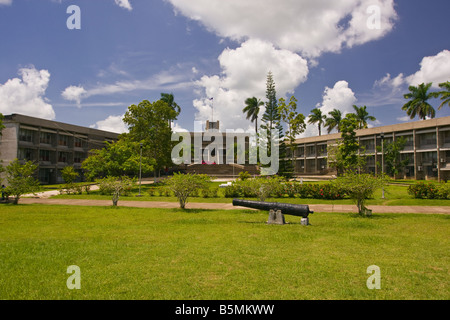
[328, 54]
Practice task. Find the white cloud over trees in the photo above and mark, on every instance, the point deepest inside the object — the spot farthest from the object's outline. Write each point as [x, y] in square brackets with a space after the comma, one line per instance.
[26, 95]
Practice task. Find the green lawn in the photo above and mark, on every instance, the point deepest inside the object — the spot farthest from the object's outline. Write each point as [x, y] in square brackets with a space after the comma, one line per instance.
[133, 253]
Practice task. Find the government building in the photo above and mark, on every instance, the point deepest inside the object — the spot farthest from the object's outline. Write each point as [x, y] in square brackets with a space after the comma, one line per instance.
[52, 145]
[427, 149]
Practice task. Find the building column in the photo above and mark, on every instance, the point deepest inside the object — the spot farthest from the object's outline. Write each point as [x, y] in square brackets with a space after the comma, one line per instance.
[415, 155]
[438, 164]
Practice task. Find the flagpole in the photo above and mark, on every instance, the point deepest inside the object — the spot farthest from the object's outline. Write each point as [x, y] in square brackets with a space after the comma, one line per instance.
[212, 109]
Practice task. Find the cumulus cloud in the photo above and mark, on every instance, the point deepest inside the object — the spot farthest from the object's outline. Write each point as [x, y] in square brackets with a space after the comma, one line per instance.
[124, 4]
[74, 93]
[309, 27]
[26, 95]
[339, 97]
[390, 90]
[244, 74]
[112, 124]
[5, 2]
[435, 69]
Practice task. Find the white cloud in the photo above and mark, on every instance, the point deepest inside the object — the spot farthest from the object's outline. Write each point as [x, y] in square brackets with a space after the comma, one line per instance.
[434, 69]
[5, 2]
[390, 91]
[177, 128]
[309, 27]
[73, 93]
[112, 124]
[404, 119]
[27, 95]
[339, 97]
[161, 81]
[124, 4]
[244, 74]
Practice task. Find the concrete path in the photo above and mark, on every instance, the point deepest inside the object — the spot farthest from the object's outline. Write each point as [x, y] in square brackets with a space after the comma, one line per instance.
[229, 206]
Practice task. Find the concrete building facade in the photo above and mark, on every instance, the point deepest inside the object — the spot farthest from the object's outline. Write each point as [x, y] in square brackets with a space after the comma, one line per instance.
[52, 145]
[427, 149]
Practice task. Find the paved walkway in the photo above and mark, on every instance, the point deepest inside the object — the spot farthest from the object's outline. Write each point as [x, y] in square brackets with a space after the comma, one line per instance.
[229, 206]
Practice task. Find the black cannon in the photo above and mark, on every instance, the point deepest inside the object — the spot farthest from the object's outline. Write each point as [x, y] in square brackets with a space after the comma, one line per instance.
[277, 210]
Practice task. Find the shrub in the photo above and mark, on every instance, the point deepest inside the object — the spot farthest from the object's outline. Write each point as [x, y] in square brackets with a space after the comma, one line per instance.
[184, 185]
[429, 190]
[244, 175]
[327, 191]
[116, 187]
[233, 191]
[151, 192]
[210, 192]
[360, 187]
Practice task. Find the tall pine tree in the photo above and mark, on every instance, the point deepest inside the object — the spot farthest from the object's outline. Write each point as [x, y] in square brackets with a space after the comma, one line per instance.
[272, 121]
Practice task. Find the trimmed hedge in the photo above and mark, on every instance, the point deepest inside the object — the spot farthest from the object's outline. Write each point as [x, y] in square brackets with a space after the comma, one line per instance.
[429, 190]
[328, 191]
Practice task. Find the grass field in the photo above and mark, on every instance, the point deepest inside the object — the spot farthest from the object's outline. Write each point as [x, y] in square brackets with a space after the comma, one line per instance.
[132, 253]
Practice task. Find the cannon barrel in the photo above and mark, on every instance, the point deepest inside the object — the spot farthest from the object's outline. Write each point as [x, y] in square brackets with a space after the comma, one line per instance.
[299, 210]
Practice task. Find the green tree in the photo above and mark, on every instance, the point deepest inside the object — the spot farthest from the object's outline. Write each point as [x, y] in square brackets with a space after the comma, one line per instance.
[1, 129]
[148, 124]
[116, 186]
[170, 100]
[334, 121]
[1, 123]
[21, 179]
[184, 185]
[69, 174]
[271, 116]
[361, 187]
[344, 156]
[252, 107]
[392, 156]
[316, 116]
[117, 159]
[444, 94]
[295, 122]
[362, 116]
[418, 102]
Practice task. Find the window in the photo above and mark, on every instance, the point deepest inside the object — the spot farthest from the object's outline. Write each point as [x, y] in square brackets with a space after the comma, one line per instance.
[44, 155]
[63, 140]
[428, 140]
[78, 143]
[45, 138]
[26, 135]
[63, 157]
[78, 157]
[25, 154]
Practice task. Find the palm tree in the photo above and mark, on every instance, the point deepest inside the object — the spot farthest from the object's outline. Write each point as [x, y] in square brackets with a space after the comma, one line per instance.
[317, 117]
[418, 102]
[362, 116]
[252, 106]
[334, 121]
[445, 95]
[170, 100]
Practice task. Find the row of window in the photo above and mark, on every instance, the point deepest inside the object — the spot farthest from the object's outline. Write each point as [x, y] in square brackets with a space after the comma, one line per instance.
[50, 156]
[26, 135]
[424, 141]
